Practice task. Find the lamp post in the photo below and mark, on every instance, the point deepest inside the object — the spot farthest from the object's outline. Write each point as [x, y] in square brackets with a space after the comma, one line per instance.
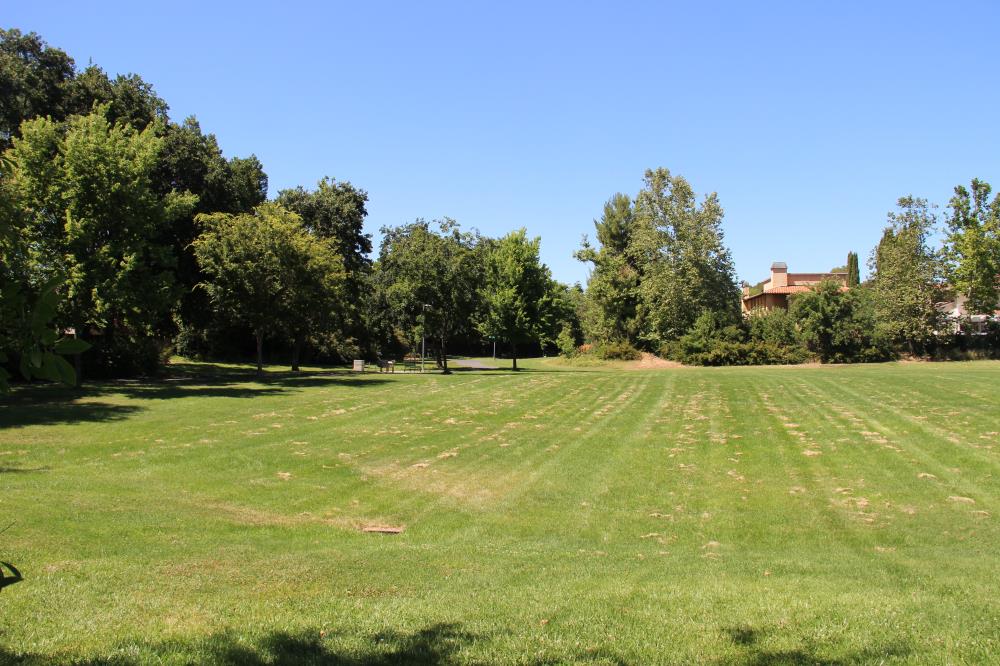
[423, 341]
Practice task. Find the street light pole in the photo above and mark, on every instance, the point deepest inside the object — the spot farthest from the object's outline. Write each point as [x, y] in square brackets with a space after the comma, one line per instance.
[423, 341]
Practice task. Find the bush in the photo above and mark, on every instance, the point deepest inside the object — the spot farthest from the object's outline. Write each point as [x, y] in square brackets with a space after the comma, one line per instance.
[840, 326]
[566, 342]
[619, 350]
[775, 326]
[120, 355]
[711, 342]
[725, 352]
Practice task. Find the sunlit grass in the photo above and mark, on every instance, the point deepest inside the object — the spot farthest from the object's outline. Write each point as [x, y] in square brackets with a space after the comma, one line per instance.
[746, 515]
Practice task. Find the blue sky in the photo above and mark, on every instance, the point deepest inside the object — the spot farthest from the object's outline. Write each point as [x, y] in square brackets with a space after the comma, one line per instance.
[809, 119]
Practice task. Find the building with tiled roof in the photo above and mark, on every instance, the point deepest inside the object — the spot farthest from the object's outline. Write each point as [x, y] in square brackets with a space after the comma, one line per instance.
[774, 293]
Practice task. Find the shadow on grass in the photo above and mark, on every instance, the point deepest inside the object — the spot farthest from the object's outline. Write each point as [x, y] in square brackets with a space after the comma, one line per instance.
[9, 575]
[444, 643]
[436, 644]
[747, 638]
[38, 404]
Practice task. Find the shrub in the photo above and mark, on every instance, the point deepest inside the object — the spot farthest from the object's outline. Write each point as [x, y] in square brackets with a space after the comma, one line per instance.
[775, 326]
[710, 342]
[840, 326]
[619, 350]
[566, 342]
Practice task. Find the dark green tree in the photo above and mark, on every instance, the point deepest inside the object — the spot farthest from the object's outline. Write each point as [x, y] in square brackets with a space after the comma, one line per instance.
[853, 270]
[613, 286]
[839, 325]
[33, 81]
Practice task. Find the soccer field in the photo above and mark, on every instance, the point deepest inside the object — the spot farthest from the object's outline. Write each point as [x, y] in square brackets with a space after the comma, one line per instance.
[835, 514]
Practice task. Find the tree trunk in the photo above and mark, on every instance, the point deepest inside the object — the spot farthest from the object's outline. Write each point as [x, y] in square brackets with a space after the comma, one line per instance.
[260, 352]
[78, 359]
[513, 354]
[296, 352]
[444, 359]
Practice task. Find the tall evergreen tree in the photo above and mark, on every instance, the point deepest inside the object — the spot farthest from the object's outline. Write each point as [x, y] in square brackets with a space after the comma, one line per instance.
[853, 270]
[613, 287]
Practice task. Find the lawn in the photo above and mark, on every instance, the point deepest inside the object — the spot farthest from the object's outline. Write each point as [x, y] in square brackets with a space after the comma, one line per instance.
[600, 515]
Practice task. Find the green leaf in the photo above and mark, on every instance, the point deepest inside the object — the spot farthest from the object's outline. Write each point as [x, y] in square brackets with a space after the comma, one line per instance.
[48, 337]
[45, 309]
[67, 375]
[68, 346]
[49, 369]
[35, 358]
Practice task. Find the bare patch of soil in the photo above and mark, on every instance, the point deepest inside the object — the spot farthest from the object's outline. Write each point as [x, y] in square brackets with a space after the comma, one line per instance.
[653, 362]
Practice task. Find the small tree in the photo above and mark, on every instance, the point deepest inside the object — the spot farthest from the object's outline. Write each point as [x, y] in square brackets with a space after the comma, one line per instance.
[515, 290]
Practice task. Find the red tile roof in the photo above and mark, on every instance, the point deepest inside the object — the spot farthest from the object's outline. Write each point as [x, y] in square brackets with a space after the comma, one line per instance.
[794, 289]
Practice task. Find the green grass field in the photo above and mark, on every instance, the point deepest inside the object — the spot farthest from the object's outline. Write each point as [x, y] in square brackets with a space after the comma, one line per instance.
[600, 515]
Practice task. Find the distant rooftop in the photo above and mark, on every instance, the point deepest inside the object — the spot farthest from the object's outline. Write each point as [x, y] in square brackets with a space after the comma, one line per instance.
[779, 265]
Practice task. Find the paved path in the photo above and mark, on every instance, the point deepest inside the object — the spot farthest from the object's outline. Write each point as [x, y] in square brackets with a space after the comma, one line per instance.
[472, 363]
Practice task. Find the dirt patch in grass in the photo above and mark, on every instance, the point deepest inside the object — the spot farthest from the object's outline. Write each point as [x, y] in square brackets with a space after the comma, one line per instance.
[652, 362]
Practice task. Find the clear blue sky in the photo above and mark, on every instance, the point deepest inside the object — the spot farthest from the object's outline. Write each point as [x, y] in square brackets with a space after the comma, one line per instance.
[809, 119]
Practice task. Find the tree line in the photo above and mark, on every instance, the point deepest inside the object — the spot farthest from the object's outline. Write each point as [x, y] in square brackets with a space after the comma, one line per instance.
[131, 236]
[662, 281]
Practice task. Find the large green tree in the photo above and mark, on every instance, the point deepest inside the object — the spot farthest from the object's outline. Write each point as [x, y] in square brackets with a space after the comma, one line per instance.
[429, 280]
[906, 276]
[264, 271]
[688, 268]
[516, 291]
[972, 247]
[335, 212]
[90, 212]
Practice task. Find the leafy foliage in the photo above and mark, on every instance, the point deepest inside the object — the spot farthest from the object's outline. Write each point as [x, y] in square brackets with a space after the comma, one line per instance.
[972, 247]
[839, 325]
[515, 290]
[661, 261]
[267, 273]
[427, 281]
[906, 277]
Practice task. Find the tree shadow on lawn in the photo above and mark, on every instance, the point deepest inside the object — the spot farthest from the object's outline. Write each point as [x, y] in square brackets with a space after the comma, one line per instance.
[747, 637]
[436, 644]
[48, 404]
[442, 643]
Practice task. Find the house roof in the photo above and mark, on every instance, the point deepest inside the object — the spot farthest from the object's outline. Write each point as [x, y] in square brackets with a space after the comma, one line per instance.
[793, 289]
